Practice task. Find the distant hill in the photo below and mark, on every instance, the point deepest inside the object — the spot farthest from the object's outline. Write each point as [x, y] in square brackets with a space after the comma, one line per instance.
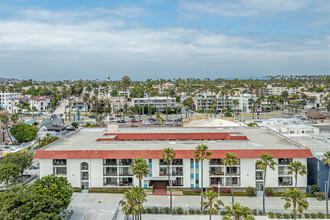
[9, 80]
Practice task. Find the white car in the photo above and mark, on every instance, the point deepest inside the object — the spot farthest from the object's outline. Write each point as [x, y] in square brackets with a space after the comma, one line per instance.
[146, 123]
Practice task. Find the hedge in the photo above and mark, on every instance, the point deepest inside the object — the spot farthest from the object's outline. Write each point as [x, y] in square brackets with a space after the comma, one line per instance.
[191, 193]
[107, 190]
[77, 190]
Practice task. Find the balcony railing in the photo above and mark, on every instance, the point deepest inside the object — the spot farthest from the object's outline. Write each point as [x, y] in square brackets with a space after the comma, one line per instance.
[110, 174]
[125, 174]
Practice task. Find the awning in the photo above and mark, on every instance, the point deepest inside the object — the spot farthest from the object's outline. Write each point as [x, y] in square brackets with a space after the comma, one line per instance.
[160, 178]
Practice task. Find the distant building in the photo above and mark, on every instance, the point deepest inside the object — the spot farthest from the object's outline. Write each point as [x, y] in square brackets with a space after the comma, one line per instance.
[39, 103]
[53, 123]
[160, 103]
[79, 105]
[275, 90]
[7, 101]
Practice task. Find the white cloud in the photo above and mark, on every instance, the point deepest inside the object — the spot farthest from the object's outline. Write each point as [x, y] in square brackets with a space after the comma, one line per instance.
[242, 7]
[60, 50]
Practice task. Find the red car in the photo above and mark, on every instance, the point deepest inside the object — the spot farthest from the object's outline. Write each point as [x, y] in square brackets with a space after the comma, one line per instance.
[134, 121]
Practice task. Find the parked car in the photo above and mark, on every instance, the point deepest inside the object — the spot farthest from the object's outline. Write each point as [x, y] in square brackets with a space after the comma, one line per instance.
[131, 116]
[168, 122]
[156, 123]
[121, 121]
[93, 116]
[147, 123]
[134, 121]
[71, 129]
[113, 120]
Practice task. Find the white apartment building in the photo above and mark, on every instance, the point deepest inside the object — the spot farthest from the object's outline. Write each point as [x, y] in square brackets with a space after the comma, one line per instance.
[39, 103]
[210, 101]
[7, 101]
[161, 103]
[101, 158]
[270, 90]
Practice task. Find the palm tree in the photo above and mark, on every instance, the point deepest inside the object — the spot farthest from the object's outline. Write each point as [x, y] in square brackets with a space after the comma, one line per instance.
[4, 121]
[296, 167]
[211, 203]
[297, 200]
[231, 160]
[201, 154]
[132, 202]
[140, 169]
[326, 161]
[14, 118]
[168, 156]
[238, 212]
[266, 161]
[100, 119]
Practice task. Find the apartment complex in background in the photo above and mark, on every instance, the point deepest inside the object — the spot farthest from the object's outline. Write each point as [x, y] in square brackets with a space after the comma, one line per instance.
[161, 103]
[101, 158]
[7, 101]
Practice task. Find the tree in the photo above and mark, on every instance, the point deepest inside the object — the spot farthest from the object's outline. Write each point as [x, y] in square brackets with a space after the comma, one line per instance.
[132, 202]
[23, 161]
[168, 155]
[189, 102]
[4, 121]
[8, 173]
[296, 199]
[24, 132]
[202, 154]
[210, 203]
[265, 162]
[114, 93]
[231, 160]
[100, 120]
[14, 118]
[45, 141]
[238, 212]
[326, 161]
[296, 167]
[58, 188]
[20, 202]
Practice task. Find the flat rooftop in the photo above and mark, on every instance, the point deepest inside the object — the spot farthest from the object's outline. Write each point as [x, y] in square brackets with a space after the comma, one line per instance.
[87, 143]
[258, 138]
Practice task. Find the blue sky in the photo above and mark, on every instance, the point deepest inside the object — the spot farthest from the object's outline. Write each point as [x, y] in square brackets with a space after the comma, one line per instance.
[72, 39]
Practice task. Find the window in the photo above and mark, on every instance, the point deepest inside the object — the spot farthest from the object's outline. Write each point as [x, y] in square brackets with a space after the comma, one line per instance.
[124, 181]
[285, 181]
[163, 171]
[233, 170]
[125, 171]
[216, 171]
[197, 181]
[178, 182]
[110, 171]
[84, 176]
[110, 181]
[216, 162]
[259, 175]
[59, 162]
[109, 162]
[284, 161]
[177, 171]
[84, 166]
[59, 170]
[125, 162]
[283, 170]
[234, 180]
[216, 180]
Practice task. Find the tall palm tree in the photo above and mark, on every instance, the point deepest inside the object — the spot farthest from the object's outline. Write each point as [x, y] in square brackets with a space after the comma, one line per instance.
[297, 200]
[140, 169]
[202, 154]
[132, 202]
[265, 162]
[296, 167]
[211, 203]
[326, 161]
[168, 155]
[238, 212]
[231, 160]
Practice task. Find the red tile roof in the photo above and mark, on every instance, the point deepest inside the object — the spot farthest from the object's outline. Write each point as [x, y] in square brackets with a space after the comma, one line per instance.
[156, 154]
[170, 136]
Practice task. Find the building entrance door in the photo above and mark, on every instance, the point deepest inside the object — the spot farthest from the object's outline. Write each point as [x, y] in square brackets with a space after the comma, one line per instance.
[84, 174]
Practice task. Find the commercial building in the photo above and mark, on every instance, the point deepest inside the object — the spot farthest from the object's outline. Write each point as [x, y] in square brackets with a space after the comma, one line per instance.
[161, 103]
[101, 158]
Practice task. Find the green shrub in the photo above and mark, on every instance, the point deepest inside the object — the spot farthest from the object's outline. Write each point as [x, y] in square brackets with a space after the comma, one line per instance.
[319, 198]
[190, 193]
[179, 211]
[198, 212]
[161, 211]
[268, 191]
[313, 215]
[250, 191]
[260, 212]
[291, 215]
[156, 210]
[286, 215]
[74, 124]
[205, 212]
[300, 215]
[278, 194]
[192, 212]
[224, 212]
[100, 190]
[320, 195]
[167, 210]
[148, 210]
[270, 215]
[307, 215]
[278, 215]
[76, 190]
[320, 215]
[314, 188]
[328, 216]
[254, 212]
[185, 212]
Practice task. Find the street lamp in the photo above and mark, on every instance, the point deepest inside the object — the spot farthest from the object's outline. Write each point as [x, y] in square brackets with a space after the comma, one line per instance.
[326, 195]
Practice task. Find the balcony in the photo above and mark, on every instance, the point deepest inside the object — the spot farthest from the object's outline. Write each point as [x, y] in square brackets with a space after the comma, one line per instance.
[284, 161]
[216, 162]
[285, 181]
[110, 162]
